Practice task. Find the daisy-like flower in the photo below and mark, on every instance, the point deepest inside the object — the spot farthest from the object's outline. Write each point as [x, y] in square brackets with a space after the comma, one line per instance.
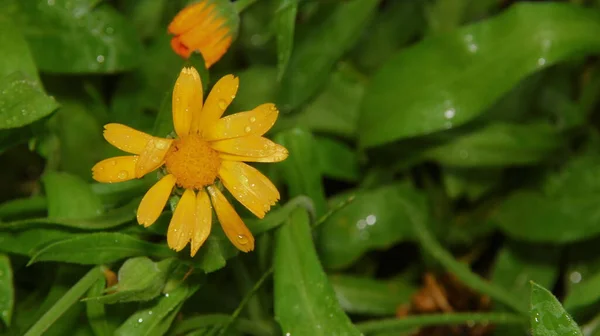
[207, 26]
[208, 147]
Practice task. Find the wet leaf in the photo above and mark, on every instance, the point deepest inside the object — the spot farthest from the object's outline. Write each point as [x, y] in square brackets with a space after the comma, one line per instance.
[445, 81]
[305, 302]
[548, 317]
[140, 279]
[98, 248]
[157, 318]
[284, 22]
[74, 36]
[322, 46]
[372, 221]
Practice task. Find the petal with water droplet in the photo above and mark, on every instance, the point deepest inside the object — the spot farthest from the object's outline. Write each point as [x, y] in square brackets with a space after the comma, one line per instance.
[187, 100]
[203, 221]
[154, 201]
[255, 122]
[126, 138]
[115, 169]
[182, 224]
[217, 102]
[252, 146]
[153, 156]
[232, 224]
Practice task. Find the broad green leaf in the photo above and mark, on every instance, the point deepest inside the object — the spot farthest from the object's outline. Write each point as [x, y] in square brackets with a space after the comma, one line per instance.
[584, 294]
[98, 248]
[70, 197]
[334, 110]
[24, 242]
[278, 216]
[548, 317]
[257, 86]
[305, 302]
[363, 295]
[22, 101]
[372, 221]
[15, 51]
[146, 15]
[65, 302]
[316, 54]
[298, 169]
[448, 80]
[78, 36]
[337, 160]
[23, 207]
[110, 219]
[215, 251]
[498, 145]
[518, 264]
[7, 290]
[473, 183]
[157, 318]
[565, 211]
[284, 22]
[140, 279]
[96, 312]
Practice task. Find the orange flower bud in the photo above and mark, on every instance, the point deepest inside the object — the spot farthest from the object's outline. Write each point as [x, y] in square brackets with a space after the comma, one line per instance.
[207, 26]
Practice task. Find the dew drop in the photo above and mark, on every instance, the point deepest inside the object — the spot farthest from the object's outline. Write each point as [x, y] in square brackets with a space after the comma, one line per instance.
[100, 58]
[160, 145]
[113, 163]
[222, 104]
[242, 239]
[140, 320]
[123, 174]
[252, 119]
[247, 129]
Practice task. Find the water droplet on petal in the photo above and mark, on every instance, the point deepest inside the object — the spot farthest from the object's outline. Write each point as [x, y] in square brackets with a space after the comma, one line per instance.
[252, 119]
[113, 163]
[242, 239]
[160, 145]
[222, 104]
[123, 174]
[248, 129]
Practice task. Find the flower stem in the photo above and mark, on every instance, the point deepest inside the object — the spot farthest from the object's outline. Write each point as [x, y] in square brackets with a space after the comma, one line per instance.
[241, 5]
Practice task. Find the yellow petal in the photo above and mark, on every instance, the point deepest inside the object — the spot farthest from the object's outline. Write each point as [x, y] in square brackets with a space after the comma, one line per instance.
[255, 122]
[249, 186]
[153, 156]
[126, 138]
[232, 224]
[154, 201]
[217, 101]
[115, 169]
[214, 52]
[252, 146]
[187, 100]
[203, 221]
[276, 157]
[189, 17]
[181, 227]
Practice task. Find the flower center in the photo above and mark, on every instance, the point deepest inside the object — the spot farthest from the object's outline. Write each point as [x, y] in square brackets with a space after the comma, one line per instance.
[193, 162]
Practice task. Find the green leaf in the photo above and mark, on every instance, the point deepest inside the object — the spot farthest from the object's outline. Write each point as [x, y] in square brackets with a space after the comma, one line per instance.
[22, 101]
[65, 302]
[499, 145]
[547, 315]
[109, 220]
[257, 86]
[157, 318]
[298, 172]
[278, 216]
[70, 197]
[284, 22]
[362, 295]
[518, 264]
[565, 211]
[98, 248]
[96, 312]
[372, 221]
[15, 51]
[140, 279]
[337, 160]
[24, 241]
[7, 290]
[75, 36]
[448, 80]
[23, 207]
[305, 303]
[335, 109]
[322, 46]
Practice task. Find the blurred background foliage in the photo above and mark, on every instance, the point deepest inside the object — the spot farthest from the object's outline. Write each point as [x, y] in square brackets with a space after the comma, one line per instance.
[443, 178]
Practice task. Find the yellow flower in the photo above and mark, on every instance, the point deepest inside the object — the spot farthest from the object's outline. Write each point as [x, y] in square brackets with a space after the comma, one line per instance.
[207, 26]
[208, 147]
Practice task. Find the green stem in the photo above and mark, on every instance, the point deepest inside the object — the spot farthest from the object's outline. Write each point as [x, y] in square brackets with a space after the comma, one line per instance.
[417, 321]
[254, 308]
[65, 302]
[460, 270]
[241, 5]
